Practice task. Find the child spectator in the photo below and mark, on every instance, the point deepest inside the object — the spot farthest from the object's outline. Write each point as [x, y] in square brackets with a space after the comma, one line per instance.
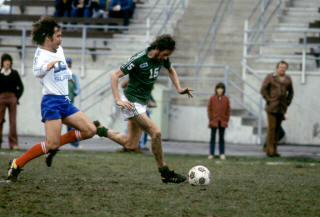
[219, 114]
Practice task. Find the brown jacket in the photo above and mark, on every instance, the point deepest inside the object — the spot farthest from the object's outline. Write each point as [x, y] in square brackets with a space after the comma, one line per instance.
[218, 110]
[278, 95]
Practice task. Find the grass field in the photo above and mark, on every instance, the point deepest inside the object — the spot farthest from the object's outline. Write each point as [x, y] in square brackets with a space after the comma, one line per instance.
[117, 184]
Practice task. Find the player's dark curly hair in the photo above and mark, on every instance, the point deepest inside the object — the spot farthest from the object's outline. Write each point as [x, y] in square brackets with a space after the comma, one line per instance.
[222, 86]
[5, 57]
[163, 42]
[42, 28]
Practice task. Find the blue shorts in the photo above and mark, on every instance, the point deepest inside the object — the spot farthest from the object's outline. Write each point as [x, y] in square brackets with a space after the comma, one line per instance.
[56, 107]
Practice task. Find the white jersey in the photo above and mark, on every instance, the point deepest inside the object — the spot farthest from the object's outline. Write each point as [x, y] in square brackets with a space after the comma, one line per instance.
[54, 81]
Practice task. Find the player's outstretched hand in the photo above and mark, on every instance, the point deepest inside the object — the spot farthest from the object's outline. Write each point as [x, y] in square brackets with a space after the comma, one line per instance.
[124, 104]
[186, 91]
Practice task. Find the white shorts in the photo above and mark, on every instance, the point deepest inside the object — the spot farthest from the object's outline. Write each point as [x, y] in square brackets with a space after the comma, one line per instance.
[137, 109]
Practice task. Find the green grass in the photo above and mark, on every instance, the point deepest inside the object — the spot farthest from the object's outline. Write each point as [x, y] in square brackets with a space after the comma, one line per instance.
[117, 184]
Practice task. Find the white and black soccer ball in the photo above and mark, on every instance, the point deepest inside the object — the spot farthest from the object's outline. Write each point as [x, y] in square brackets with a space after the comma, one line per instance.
[59, 66]
[199, 175]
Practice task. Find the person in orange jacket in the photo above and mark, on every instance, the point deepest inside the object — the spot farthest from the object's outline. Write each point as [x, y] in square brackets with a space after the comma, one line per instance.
[219, 114]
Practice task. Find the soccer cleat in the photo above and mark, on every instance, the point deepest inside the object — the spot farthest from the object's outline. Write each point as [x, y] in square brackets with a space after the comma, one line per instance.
[97, 124]
[49, 157]
[13, 170]
[170, 176]
[101, 130]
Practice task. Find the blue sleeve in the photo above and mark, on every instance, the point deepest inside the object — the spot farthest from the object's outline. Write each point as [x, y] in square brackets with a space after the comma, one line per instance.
[126, 5]
[112, 4]
[76, 85]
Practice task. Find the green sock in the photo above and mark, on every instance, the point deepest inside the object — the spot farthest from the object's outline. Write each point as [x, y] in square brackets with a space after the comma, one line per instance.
[102, 132]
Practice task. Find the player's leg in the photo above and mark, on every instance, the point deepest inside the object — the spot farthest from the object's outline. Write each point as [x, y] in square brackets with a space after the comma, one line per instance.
[74, 144]
[115, 136]
[149, 127]
[53, 131]
[134, 134]
[145, 123]
[84, 128]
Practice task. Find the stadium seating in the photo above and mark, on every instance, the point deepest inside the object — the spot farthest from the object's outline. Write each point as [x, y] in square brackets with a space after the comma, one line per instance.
[22, 4]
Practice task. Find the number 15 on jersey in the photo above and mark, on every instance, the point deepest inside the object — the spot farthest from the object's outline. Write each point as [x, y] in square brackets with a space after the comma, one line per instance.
[154, 73]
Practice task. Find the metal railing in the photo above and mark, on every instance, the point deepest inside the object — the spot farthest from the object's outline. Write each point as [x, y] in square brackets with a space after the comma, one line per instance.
[262, 21]
[258, 24]
[255, 32]
[205, 46]
[298, 47]
[256, 106]
[153, 19]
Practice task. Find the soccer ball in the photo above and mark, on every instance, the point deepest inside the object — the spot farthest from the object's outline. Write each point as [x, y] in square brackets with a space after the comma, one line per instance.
[59, 66]
[199, 175]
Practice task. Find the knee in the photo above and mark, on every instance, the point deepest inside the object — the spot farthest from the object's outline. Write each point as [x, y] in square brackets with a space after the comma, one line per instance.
[91, 131]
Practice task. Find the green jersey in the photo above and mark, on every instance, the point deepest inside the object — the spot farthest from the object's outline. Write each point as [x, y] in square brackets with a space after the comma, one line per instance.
[143, 73]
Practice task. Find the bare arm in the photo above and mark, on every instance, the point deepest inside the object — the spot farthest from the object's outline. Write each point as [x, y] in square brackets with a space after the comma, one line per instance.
[114, 80]
[174, 78]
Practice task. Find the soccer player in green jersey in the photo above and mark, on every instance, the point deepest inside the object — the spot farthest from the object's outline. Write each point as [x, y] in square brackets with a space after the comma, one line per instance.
[143, 69]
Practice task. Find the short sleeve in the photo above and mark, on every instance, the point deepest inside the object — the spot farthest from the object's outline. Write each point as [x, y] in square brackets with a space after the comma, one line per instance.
[129, 66]
[167, 63]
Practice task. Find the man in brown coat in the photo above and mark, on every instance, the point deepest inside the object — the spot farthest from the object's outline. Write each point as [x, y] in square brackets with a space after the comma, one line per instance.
[277, 90]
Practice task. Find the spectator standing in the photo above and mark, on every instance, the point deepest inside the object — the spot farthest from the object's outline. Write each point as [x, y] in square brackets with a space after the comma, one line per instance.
[121, 9]
[281, 135]
[11, 89]
[74, 90]
[219, 114]
[277, 90]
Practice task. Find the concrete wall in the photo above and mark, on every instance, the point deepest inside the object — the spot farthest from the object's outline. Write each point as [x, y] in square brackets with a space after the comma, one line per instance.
[188, 123]
[303, 126]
